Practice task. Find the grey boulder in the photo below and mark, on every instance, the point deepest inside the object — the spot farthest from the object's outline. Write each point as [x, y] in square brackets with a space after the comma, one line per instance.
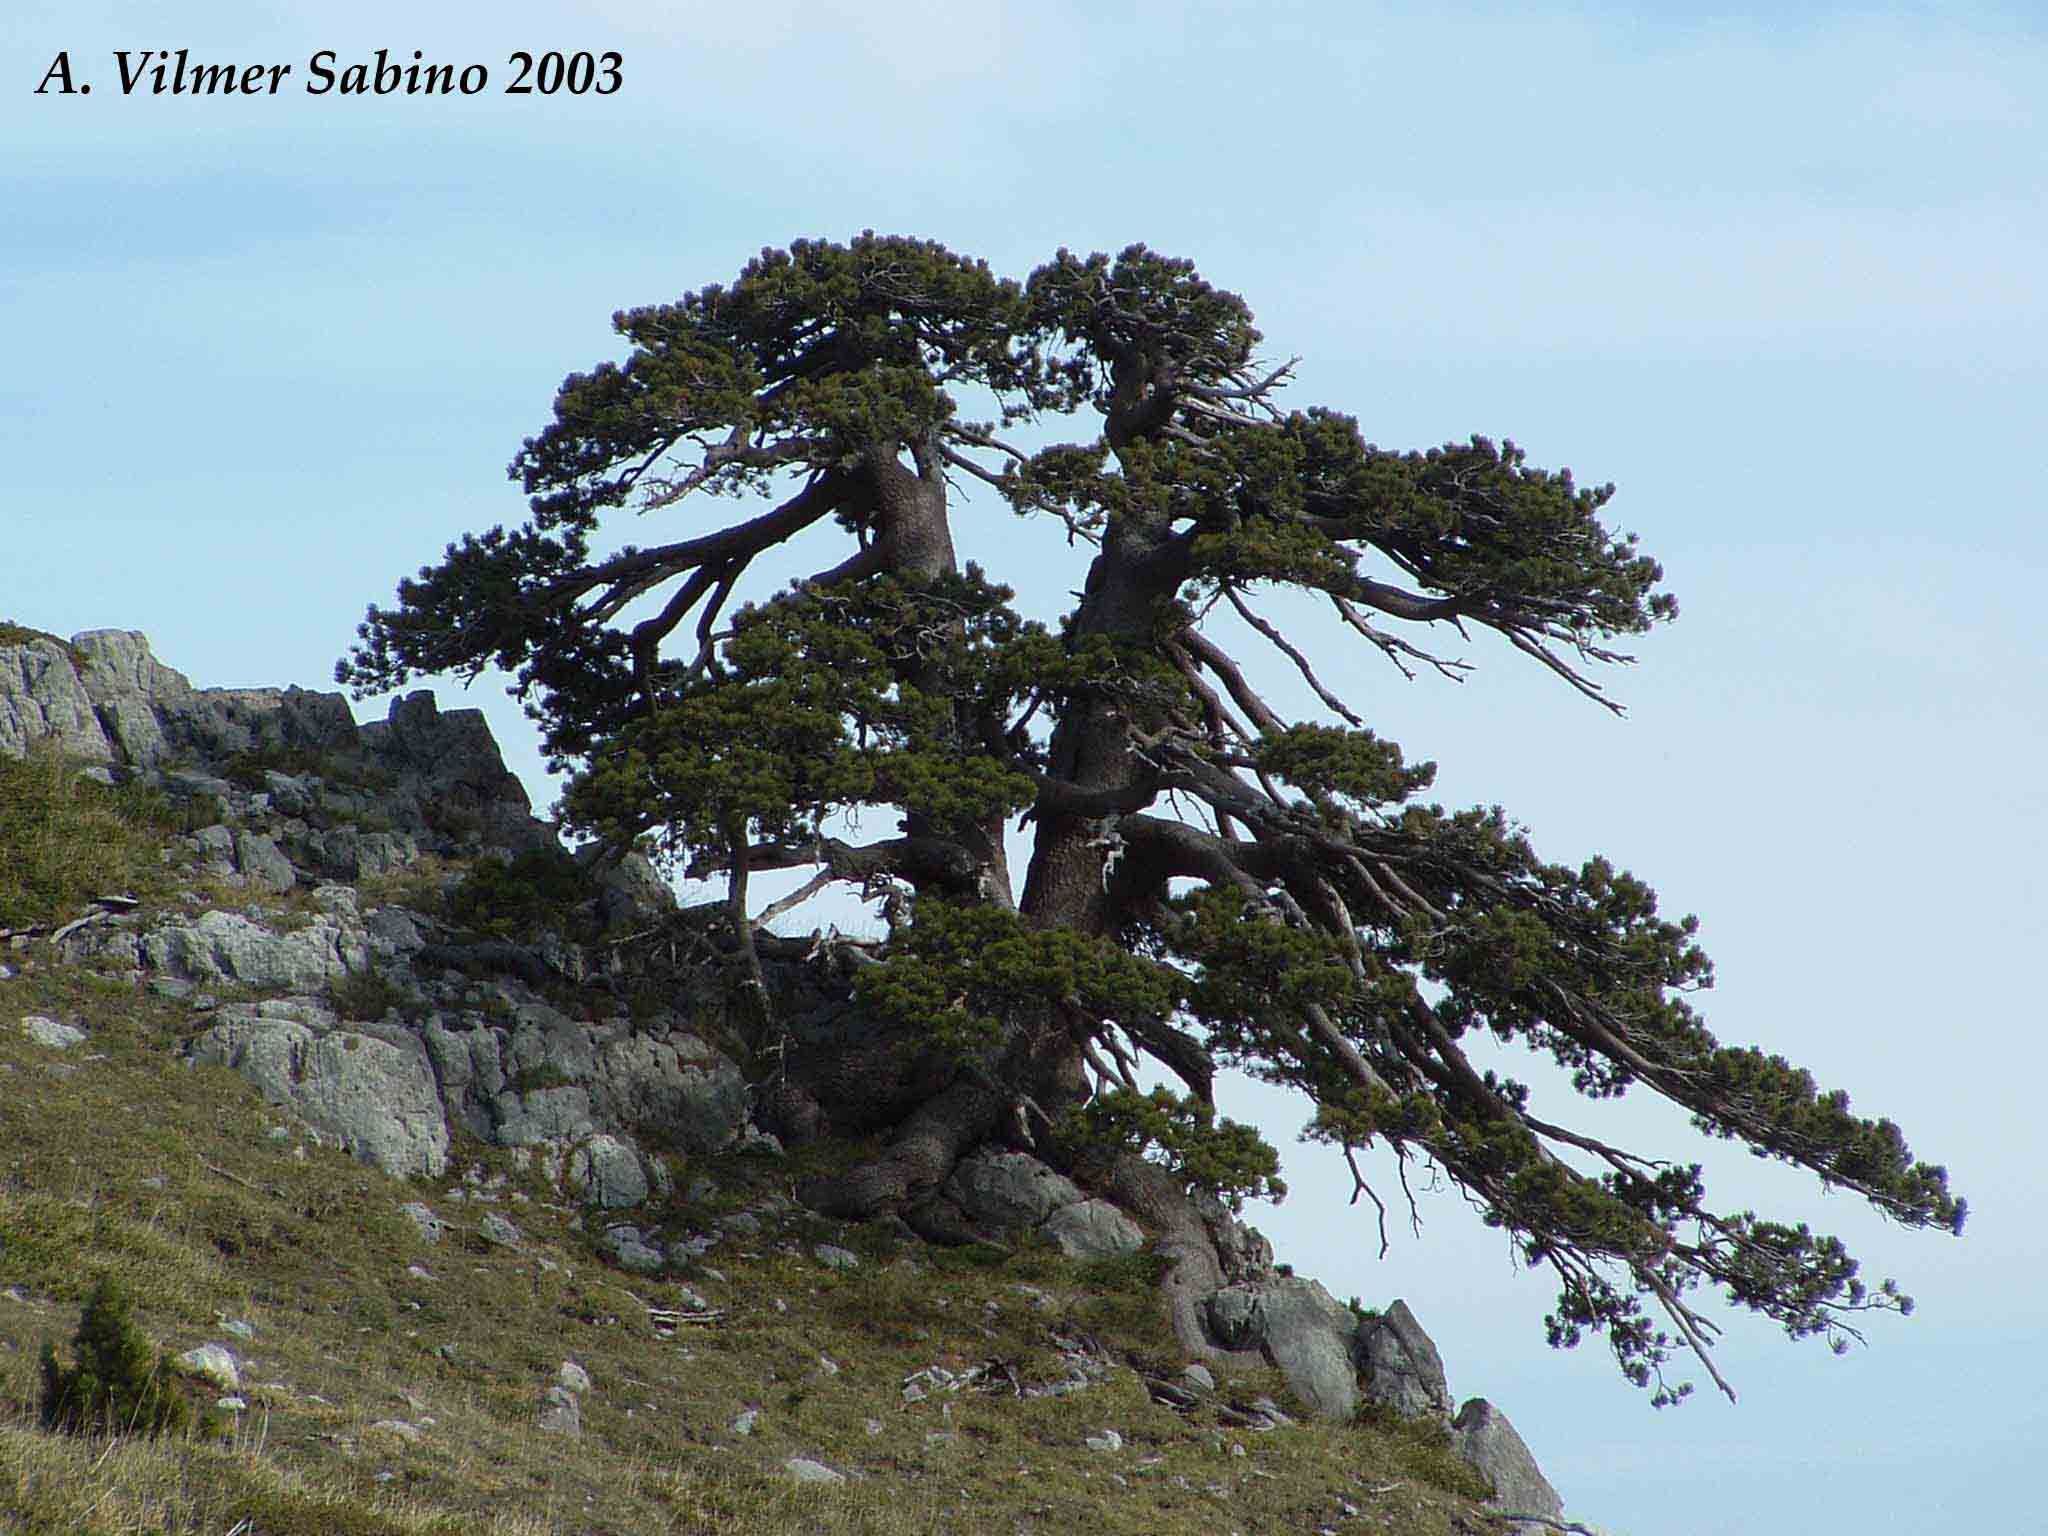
[681, 1084]
[42, 699]
[1299, 1327]
[1403, 1370]
[49, 1032]
[559, 1413]
[607, 1172]
[226, 946]
[1482, 1435]
[1093, 1229]
[216, 1363]
[806, 1469]
[1010, 1189]
[259, 858]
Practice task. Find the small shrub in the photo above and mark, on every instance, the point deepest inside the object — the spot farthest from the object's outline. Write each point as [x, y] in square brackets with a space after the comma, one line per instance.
[368, 995]
[452, 820]
[1422, 1448]
[1136, 1274]
[969, 1257]
[112, 1383]
[535, 1079]
[541, 887]
[246, 769]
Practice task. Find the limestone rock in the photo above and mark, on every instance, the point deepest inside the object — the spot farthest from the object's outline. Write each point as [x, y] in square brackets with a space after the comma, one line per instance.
[348, 853]
[377, 1098]
[226, 946]
[215, 725]
[216, 1363]
[559, 1412]
[807, 1470]
[1093, 1229]
[1403, 1370]
[43, 699]
[631, 892]
[260, 859]
[1482, 1435]
[525, 1119]
[496, 1229]
[392, 933]
[691, 1091]
[118, 661]
[49, 1032]
[448, 767]
[127, 684]
[1009, 1189]
[607, 1171]
[1299, 1327]
[632, 1250]
[430, 1226]
[1242, 1251]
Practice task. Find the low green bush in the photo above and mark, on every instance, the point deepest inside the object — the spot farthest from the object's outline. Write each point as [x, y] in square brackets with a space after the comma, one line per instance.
[368, 995]
[540, 888]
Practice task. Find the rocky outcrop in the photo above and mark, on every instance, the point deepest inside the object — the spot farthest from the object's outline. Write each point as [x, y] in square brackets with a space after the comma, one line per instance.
[1093, 1229]
[43, 700]
[374, 1096]
[229, 947]
[312, 791]
[290, 795]
[1009, 1189]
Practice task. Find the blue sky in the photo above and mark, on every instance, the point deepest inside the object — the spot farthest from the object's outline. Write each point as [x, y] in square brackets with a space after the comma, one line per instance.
[1779, 280]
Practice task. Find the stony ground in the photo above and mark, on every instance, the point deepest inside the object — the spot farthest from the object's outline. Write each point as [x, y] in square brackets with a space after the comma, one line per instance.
[496, 1371]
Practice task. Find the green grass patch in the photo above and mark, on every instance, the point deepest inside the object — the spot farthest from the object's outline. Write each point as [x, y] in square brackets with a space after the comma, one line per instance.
[65, 839]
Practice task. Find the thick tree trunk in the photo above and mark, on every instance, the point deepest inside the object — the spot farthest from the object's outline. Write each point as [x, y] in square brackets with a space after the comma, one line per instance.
[1140, 567]
[942, 1115]
[920, 1155]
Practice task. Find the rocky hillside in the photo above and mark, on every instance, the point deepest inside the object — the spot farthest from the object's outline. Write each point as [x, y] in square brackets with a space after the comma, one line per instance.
[436, 1147]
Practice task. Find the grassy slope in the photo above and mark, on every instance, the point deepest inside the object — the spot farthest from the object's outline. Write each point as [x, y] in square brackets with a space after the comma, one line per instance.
[209, 1203]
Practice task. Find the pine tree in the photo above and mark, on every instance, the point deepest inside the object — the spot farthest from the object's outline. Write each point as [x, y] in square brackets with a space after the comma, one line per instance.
[113, 1383]
[1210, 884]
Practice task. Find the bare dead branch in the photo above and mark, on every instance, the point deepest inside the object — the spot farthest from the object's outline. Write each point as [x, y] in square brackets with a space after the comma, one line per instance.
[1393, 647]
[1293, 653]
[1213, 656]
[796, 898]
[1359, 1186]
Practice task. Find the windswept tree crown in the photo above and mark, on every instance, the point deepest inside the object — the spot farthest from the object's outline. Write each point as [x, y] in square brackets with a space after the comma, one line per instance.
[1210, 884]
